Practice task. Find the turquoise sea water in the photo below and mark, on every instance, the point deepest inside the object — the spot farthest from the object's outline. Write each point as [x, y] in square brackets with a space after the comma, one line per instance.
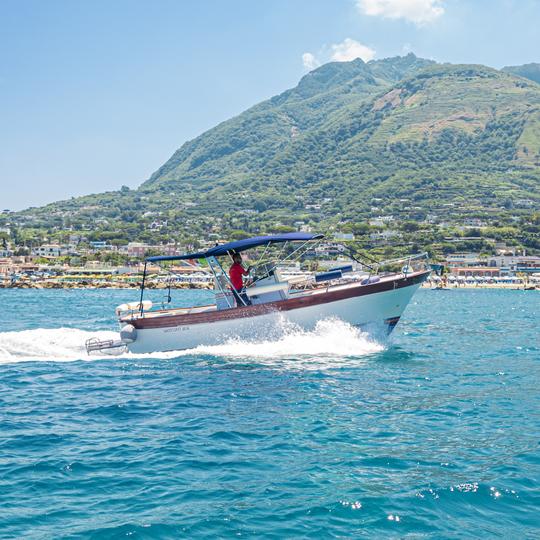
[327, 434]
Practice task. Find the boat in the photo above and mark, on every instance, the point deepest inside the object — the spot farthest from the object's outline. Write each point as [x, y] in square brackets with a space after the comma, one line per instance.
[364, 293]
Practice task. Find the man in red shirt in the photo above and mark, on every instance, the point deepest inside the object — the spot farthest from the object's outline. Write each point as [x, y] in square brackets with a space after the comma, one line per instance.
[236, 273]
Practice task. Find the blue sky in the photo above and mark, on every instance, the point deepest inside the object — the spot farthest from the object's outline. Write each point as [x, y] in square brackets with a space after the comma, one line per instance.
[97, 94]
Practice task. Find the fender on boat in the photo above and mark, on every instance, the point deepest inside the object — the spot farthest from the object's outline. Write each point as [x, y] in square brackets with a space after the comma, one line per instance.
[128, 333]
[370, 280]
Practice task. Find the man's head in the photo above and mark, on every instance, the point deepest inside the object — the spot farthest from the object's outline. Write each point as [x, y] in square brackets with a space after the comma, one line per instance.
[237, 258]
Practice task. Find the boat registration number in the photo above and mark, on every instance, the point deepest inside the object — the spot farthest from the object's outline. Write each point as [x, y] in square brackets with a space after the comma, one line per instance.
[177, 329]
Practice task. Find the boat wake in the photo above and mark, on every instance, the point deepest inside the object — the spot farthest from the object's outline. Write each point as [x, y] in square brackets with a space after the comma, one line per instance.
[331, 339]
[58, 344]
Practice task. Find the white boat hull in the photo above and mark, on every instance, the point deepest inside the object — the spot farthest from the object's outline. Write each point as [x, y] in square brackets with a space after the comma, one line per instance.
[380, 309]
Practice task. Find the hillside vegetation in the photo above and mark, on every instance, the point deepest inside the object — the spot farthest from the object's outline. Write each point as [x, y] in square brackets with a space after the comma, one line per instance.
[430, 144]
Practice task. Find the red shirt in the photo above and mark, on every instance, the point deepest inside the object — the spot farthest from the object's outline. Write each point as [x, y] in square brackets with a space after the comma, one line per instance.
[235, 274]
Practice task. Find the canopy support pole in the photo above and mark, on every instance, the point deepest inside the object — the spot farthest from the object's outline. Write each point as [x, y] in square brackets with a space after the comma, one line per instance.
[301, 247]
[263, 254]
[295, 251]
[214, 260]
[142, 289]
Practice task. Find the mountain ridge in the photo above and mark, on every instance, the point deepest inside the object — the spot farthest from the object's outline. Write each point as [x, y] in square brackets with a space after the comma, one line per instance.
[326, 82]
[350, 141]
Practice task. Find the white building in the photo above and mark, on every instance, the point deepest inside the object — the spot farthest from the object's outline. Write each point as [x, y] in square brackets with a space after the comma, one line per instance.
[343, 236]
[515, 263]
[465, 259]
[474, 222]
[384, 236]
[329, 249]
[102, 245]
[381, 221]
[50, 251]
[139, 249]
[524, 203]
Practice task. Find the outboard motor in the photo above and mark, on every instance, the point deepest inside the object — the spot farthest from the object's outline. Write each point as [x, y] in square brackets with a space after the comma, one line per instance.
[128, 334]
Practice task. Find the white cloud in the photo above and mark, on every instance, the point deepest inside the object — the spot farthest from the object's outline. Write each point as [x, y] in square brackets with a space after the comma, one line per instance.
[310, 61]
[349, 49]
[407, 48]
[417, 11]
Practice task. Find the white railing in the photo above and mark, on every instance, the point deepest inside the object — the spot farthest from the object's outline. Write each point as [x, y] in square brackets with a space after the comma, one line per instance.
[411, 263]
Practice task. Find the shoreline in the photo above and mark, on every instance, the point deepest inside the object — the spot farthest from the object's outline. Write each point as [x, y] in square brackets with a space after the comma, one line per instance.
[476, 286]
[50, 285]
[92, 285]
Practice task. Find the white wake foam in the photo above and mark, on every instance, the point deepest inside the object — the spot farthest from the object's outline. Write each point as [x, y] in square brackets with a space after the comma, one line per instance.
[332, 339]
[62, 345]
[58, 344]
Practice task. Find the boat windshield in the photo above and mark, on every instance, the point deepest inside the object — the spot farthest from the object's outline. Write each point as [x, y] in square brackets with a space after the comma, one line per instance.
[263, 270]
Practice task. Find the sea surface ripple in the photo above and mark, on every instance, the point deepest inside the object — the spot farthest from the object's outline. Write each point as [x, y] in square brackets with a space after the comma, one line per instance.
[327, 434]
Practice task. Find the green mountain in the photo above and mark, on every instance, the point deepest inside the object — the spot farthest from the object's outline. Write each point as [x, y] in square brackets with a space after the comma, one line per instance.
[402, 136]
[250, 141]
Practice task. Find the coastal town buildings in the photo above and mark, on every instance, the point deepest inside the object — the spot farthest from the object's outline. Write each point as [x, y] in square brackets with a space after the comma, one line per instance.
[474, 264]
[516, 264]
[139, 250]
[476, 271]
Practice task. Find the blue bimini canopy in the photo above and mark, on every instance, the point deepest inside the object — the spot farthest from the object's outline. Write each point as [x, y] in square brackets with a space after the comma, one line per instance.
[241, 245]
